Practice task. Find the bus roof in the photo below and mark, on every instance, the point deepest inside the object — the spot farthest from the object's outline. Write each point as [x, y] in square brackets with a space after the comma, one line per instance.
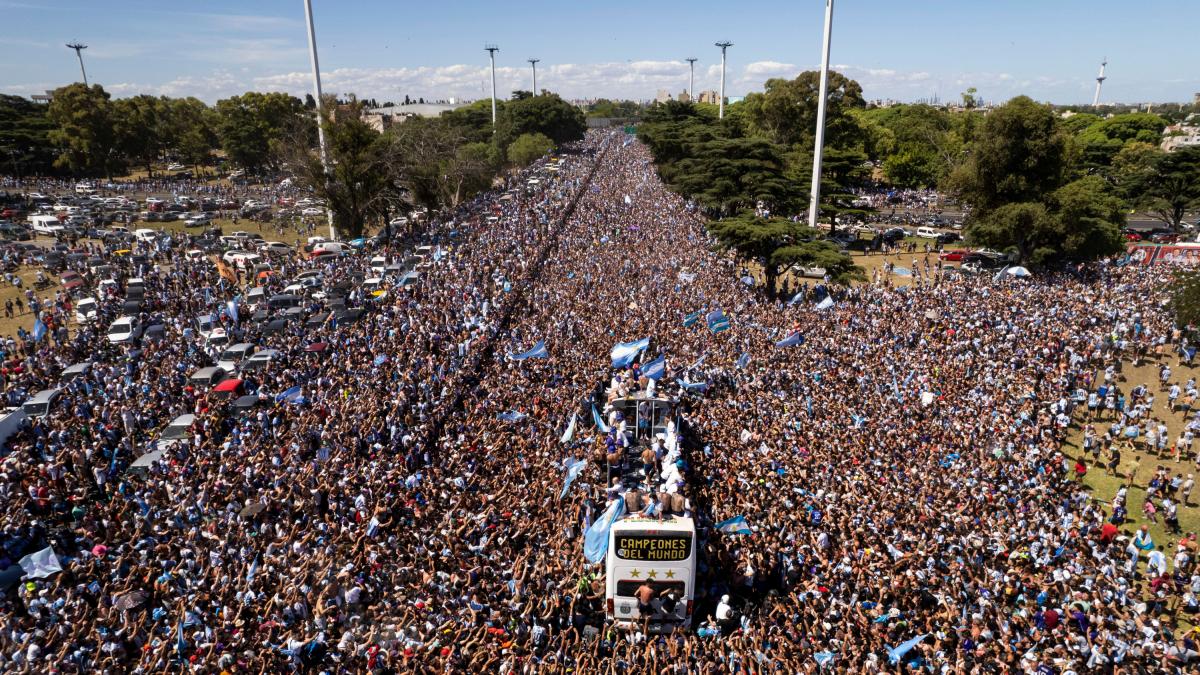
[668, 523]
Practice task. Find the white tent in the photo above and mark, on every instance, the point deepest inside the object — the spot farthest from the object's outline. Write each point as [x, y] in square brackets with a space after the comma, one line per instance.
[1018, 271]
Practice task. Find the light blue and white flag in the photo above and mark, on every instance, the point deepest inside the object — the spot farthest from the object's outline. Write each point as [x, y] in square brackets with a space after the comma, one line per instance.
[574, 468]
[595, 540]
[380, 360]
[826, 303]
[537, 352]
[569, 434]
[656, 369]
[290, 395]
[743, 360]
[902, 271]
[735, 525]
[691, 319]
[717, 321]
[896, 654]
[253, 571]
[512, 416]
[823, 658]
[604, 428]
[624, 353]
[791, 341]
[692, 386]
[40, 564]
[39, 330]
[231, 308]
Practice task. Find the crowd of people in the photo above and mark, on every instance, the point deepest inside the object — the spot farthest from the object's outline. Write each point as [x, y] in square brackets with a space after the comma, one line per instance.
[907, 468]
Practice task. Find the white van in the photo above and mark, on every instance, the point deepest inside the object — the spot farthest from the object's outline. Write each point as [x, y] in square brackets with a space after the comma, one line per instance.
[46, 225]
[145, 235]
[40, 404]
[927, 233]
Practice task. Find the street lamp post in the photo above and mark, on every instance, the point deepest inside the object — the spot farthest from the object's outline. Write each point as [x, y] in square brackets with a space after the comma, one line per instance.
[691, 78]
[534, 62]
[316, 73]
[79, 47]
[491, 50]
[815, 198]
[723, 45]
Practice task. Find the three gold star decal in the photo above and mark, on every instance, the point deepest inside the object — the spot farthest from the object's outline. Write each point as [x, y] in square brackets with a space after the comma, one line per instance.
[635, 574]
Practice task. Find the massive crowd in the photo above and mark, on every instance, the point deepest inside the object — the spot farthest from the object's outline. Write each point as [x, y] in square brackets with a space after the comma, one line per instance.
[905, 468]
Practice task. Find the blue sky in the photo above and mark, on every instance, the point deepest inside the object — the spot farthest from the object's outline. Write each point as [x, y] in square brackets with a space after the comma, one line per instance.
[1049, 49]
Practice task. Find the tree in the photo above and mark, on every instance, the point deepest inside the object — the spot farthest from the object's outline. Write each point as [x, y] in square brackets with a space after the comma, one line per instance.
[360, 185]
[970, 98]
[546, 114]
[309, 102]
[192, 131]
[138, 123]
[1100, 142]
[1080, 221]
[787, 111]
[772, 242]
[84, 130]
[25, 147]
[528, 148]
[437, 162]
[249, 124]
[1019, 156]
[913, 168]
[1165, 185]
[726, 175]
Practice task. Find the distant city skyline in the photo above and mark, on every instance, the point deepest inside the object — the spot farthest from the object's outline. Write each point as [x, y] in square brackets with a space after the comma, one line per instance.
[374, 49]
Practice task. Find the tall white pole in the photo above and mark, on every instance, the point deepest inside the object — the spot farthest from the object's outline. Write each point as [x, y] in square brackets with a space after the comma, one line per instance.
[316, 73]
[491, 50]
[534, 62]
[721, 110]
[692, 79]
[814, 206]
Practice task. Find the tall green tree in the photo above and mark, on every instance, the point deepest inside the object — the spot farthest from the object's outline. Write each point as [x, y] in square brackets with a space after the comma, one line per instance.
[528, 148]
[438, 163]
[84, 132]
[25, 147]
[773, 243]
[1185, 298]
[139, 124]
[546, 114]
[1165, 185]
[250, 124]
[360, 186]
[1020, 155]
[192, 132]
[726, 175]
[786, 112]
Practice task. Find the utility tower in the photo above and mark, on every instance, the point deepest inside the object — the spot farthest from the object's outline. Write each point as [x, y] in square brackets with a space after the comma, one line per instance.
[691, 78]
[1099, 82]
[79, 47]
[726, 44]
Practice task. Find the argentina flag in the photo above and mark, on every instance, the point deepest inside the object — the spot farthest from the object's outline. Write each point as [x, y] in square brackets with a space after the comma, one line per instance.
[735, 525]
[624, 353]
[656, 369]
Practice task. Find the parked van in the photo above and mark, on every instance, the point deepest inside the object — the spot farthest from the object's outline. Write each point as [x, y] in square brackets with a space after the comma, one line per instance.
[49, 225]
[41, 403]
[927, 232]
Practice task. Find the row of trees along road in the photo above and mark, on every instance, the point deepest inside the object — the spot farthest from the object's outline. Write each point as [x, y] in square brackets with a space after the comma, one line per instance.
[432, 162]
[1046, 187]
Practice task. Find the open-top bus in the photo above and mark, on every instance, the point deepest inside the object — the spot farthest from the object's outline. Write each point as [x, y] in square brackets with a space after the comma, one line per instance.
[648, 551]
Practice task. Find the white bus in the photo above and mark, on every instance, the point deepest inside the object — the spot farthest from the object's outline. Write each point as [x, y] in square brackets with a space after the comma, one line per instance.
[659, 555]
[649, 557]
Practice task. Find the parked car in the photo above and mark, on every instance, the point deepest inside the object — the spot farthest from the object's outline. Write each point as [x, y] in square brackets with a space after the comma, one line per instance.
[86, 310]
[125, 330]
